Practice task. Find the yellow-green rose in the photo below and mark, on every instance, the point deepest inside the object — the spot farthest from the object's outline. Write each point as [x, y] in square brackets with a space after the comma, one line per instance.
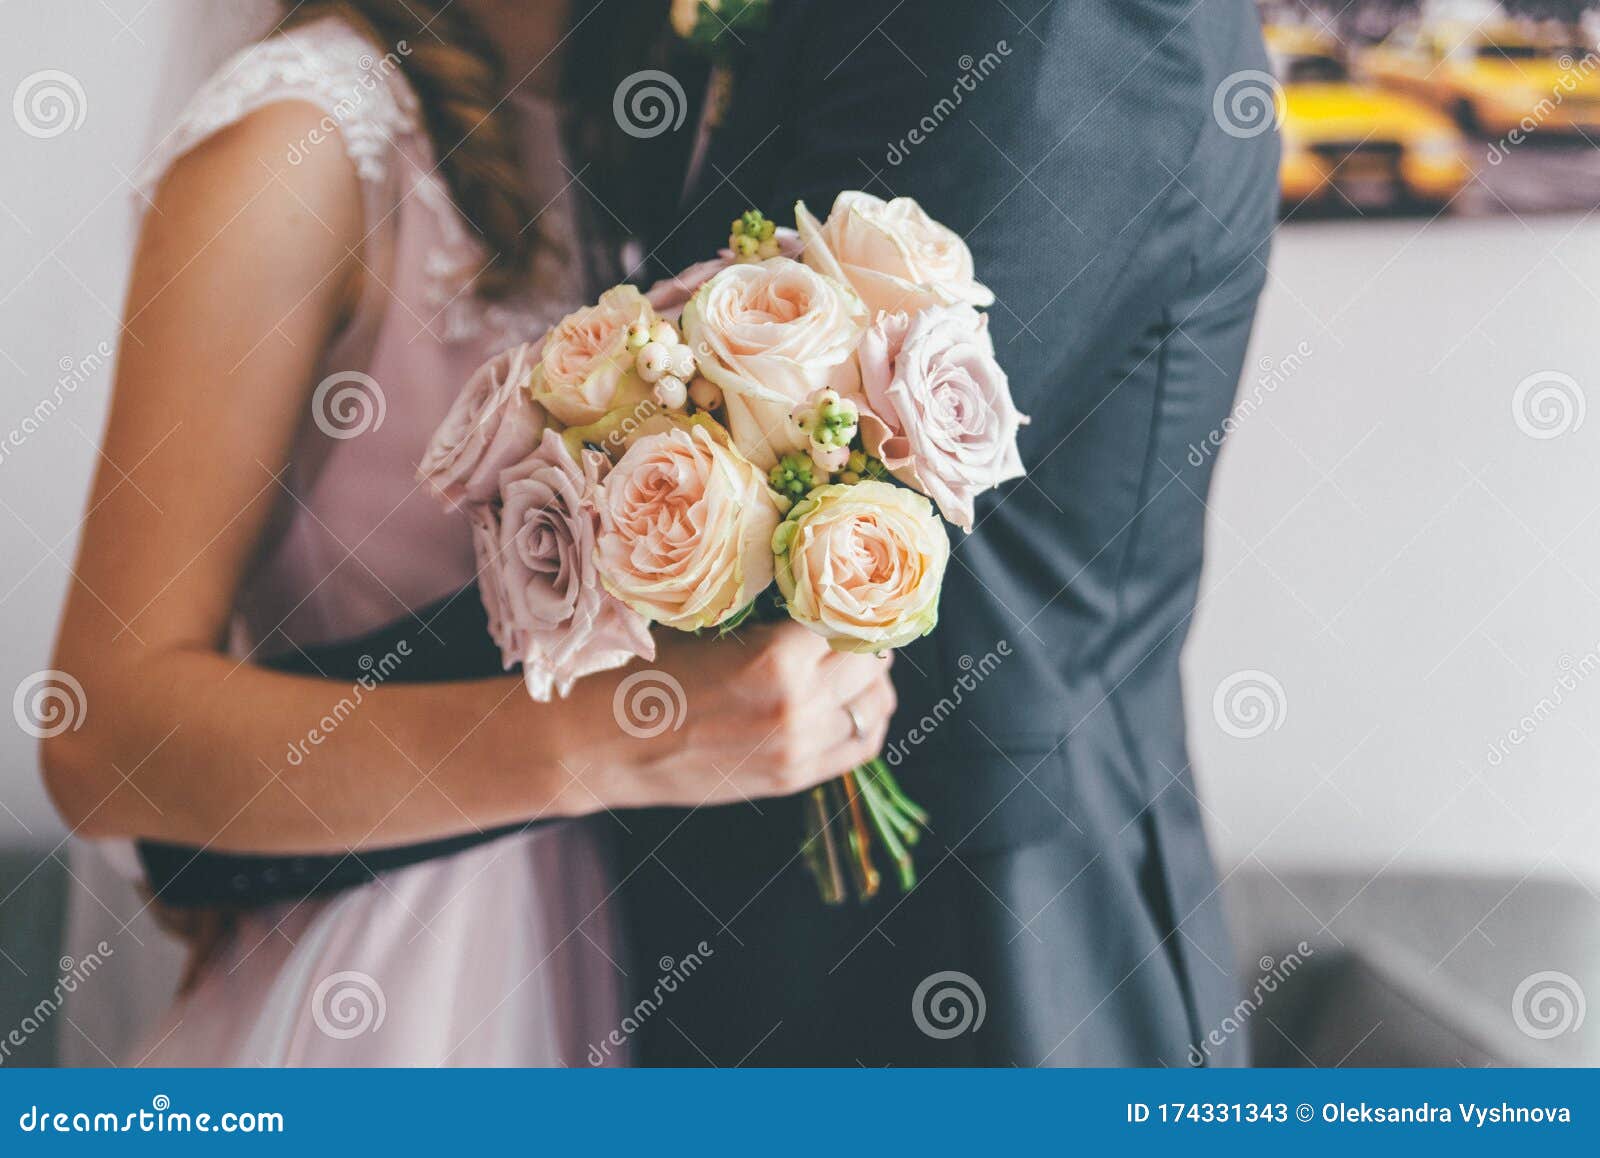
[861, 565]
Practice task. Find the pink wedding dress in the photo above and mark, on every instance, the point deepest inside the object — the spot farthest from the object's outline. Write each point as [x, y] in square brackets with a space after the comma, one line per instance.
[501, 955]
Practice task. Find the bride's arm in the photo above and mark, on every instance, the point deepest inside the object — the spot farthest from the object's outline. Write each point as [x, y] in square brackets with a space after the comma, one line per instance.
[245, 269]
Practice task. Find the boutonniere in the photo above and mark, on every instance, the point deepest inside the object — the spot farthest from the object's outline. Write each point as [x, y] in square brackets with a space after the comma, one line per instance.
[722, 31]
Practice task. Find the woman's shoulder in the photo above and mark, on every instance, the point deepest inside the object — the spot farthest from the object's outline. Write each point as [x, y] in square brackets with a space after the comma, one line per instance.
[361, 97]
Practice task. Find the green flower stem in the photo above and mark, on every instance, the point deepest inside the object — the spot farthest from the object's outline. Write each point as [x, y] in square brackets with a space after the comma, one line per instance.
[884, 821]
[891, 786]
[905, 826]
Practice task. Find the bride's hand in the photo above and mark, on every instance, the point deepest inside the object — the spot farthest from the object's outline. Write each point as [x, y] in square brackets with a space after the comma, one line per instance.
[770, 713]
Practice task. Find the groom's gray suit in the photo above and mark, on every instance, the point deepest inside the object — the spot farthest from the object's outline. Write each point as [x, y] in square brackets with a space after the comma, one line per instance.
[1124, 233]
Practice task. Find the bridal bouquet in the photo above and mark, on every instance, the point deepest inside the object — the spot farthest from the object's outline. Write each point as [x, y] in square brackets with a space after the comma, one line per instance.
[774, 432]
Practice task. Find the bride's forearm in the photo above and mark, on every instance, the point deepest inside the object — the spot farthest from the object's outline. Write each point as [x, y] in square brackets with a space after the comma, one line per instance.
[194, 748]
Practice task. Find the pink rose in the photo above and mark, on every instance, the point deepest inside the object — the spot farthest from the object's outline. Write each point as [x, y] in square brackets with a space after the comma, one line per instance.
[485, 521]
[585, 368]
[556, 619]
[938, 409]
[891, 253]
[686, 527]
[491, 424]
[770, 334]
[669, 295]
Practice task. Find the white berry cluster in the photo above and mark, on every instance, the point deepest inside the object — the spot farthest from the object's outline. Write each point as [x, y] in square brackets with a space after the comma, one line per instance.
[665, 362]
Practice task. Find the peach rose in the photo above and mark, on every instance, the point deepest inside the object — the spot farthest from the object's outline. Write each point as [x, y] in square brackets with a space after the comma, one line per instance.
[586, 368]
[891, 253]
[770, 334]
[491, 424]
[862, 565]
[686, 527]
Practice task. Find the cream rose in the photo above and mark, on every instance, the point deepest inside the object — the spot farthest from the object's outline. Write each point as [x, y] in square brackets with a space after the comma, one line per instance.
[686, 526]
[862, 565]
[770, 334]
[586, 368]
[891, 253]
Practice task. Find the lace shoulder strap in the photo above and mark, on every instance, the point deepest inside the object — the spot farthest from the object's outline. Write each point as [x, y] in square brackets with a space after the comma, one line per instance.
[325, 63]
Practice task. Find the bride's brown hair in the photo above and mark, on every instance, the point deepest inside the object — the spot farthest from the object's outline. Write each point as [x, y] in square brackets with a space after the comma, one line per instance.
[459, 82]
[461, 85]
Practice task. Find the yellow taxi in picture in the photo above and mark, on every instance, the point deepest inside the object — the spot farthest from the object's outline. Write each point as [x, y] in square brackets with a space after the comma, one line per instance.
[1492, 78]
[1345, 142]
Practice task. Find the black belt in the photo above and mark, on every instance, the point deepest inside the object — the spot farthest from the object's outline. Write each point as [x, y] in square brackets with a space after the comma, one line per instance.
[454, 645]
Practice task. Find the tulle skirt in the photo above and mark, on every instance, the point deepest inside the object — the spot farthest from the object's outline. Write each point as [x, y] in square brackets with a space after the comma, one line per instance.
[502, 955]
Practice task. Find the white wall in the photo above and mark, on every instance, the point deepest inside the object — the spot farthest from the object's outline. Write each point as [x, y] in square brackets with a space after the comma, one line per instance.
[1416, 570]
[66, 215]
